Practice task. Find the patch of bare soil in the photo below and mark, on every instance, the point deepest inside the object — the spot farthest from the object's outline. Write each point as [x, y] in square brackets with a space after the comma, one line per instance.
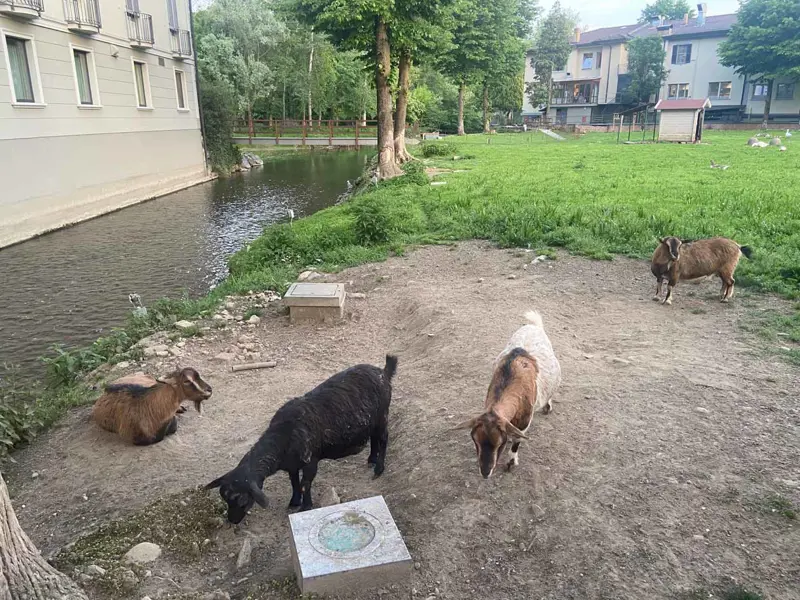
[662, 471]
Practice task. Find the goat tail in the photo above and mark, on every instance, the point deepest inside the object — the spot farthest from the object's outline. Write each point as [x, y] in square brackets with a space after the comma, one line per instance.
[534, 318]
[390, 368]
[747, 251]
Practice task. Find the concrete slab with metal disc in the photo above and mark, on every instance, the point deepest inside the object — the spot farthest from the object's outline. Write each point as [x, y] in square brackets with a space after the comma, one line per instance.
[348, 547]
[319, 302]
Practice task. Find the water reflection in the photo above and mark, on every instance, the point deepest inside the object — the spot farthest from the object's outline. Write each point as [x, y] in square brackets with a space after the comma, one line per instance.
[71, 285]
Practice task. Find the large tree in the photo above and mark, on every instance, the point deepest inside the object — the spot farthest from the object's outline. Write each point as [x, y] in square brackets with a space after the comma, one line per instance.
[673, 10]
[646, 57]
[24, 574]
[764, 44]
[550, 51]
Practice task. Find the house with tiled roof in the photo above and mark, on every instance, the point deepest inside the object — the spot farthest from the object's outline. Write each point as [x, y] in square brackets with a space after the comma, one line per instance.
[590, 87]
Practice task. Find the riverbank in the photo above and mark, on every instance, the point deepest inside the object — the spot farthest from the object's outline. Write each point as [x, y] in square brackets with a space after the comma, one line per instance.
[588, 195]
[665, 469]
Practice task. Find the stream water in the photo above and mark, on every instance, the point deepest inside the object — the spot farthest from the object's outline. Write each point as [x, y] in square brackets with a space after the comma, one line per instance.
[70, 286]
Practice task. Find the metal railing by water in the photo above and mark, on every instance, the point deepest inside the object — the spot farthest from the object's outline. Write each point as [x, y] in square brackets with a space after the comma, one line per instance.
[140, 28]
[83, 12]
[574, 99]
[181, 41]
[305, 131]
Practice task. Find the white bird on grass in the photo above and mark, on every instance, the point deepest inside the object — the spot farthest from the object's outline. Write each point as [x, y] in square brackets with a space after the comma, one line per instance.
[788, 133]
[290, 212]
[716, 166]
[374, 179]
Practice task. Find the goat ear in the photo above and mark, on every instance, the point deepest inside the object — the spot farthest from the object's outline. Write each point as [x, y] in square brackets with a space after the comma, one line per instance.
[214, 484]
[468, 424]
[258, 495]
[169, 380]
[664, 240]
[514, 432]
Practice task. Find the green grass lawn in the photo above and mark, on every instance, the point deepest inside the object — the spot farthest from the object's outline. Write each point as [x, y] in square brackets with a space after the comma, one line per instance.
[589, 195]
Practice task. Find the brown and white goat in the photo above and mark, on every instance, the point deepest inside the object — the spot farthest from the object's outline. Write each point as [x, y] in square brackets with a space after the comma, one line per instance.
[526, 376]
[674, 260]
[142, 410]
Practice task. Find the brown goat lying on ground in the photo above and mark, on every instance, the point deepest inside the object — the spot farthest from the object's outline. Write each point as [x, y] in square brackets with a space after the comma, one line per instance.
[142, 410]
[674, 260]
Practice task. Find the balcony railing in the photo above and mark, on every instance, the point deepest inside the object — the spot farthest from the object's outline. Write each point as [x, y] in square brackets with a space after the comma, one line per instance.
[22, 8]
[82, 15]
[181, 43]
[140, 29]
[574, 99]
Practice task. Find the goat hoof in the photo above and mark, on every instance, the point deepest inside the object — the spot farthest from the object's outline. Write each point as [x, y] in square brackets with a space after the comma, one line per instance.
[305, 508]
[547, 409]
[181, 410]
[656, 298]
[510, 465]
[371, 460]
[378, 471]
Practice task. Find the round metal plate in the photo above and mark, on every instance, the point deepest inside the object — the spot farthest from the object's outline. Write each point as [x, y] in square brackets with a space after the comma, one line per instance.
[347, 533]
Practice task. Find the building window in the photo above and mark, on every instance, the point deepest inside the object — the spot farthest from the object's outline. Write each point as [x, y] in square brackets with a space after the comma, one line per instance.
[760, 91]
[720, 90]
[599, 59]
[142, 81]
[678, 90]
[85, 77]
[23, 74]
[172, 15]
[180, 89]
[785, 91]
[588, 59]
[681, 54]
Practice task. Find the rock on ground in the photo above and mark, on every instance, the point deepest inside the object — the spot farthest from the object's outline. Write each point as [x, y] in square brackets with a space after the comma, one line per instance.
[144, 553]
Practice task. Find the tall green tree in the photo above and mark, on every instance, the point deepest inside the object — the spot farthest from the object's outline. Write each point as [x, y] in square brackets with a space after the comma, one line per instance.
[673, 10]
[550, 50]
[764, 43]
[646, 56]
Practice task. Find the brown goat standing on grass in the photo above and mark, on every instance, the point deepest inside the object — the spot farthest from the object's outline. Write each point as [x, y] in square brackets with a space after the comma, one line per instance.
[526, 376]
[674, 260]
[142, 410]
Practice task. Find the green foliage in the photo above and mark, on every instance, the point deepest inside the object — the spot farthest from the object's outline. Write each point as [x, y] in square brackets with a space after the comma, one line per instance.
[430, 149]
[551, 50]
[18, 423]
[646, 56]
[219, 116]
[671, 9]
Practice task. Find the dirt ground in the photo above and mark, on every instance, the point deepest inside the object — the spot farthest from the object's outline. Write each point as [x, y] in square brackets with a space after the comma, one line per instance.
[672, 441]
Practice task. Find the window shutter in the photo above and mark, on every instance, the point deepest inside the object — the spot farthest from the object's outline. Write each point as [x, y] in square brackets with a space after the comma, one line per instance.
[599, 59]
[172, 13]
[688, 53]
[132, 5]
[674, 54]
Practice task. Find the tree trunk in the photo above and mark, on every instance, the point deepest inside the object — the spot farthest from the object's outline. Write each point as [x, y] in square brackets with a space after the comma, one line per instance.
[310, 66]
[284, 98]
[400, 152]
[387, 166]
[250, 124]
[364, 118]
[24, 574]
[461, 89]
[767, 104]
[486, 107]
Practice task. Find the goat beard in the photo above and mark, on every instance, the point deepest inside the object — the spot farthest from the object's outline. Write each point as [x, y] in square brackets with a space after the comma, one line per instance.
[198, 406]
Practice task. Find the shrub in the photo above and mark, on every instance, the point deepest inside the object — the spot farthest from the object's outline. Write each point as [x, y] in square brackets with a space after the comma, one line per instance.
[219, 116]
[372, 224]
[18, 423]
[430, 149]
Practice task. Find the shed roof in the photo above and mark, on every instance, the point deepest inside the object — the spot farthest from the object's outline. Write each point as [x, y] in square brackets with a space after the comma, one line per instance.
[684, 104]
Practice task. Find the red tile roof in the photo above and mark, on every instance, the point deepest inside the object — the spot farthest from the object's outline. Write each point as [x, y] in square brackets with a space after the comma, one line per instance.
[684, 104]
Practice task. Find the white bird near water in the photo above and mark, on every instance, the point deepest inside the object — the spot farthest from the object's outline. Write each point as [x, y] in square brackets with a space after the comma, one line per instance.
[139, 310]
[290, 212]
[374, 179]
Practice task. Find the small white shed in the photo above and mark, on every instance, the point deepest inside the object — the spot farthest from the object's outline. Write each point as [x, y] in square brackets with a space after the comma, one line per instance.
[681, 120]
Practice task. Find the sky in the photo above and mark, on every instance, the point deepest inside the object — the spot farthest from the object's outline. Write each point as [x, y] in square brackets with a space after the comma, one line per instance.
[606, 13]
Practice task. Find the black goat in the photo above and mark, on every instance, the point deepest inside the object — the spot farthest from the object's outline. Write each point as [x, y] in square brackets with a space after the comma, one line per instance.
[334, 420]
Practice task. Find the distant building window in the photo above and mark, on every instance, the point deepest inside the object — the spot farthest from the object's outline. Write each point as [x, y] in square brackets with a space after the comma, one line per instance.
[588, 59]
[678, 90]
[180, 88]
[720, 90]
[785, 91]
[82, 76]
[21, 75]
[760, 91]
[681, 54]
[141, 80]
[599, 59]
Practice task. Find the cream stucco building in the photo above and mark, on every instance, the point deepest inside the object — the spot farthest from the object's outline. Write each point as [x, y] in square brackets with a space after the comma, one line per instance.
[590, 87]
[98, 109]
